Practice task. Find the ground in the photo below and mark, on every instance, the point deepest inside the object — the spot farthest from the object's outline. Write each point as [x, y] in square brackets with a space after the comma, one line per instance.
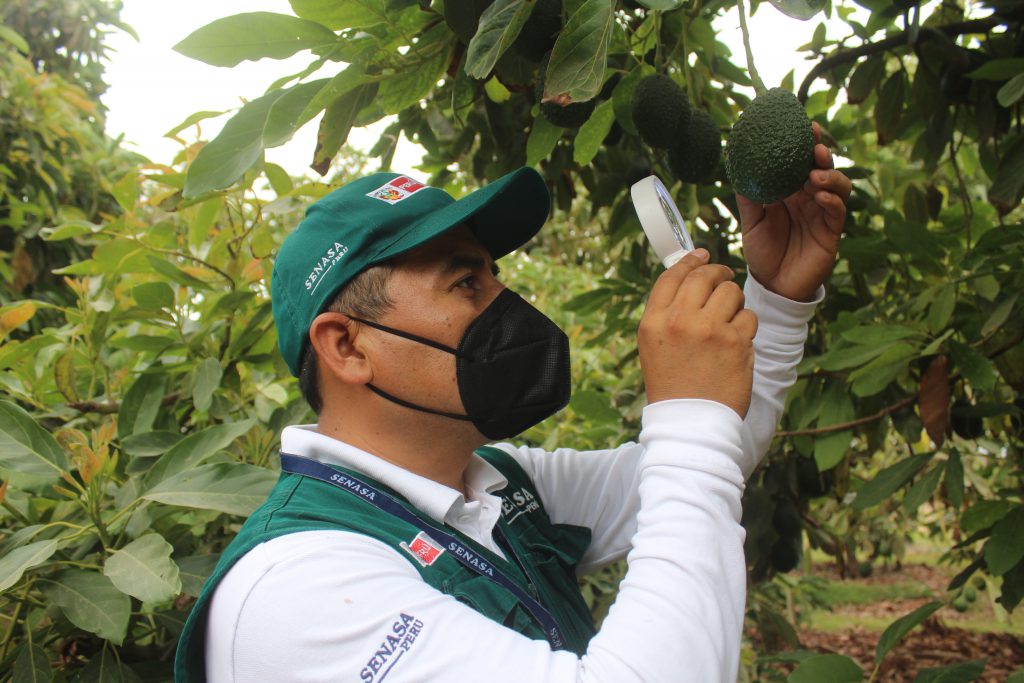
[856, 611]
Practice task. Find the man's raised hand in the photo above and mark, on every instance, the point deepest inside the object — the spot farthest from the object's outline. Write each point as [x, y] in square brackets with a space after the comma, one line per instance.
[695, 337]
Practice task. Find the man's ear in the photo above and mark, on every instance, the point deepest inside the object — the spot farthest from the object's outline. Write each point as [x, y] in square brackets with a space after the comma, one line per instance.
[338, 355]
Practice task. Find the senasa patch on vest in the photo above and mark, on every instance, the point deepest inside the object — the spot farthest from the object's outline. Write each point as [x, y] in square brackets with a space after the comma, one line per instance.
[397, 190]
[423, 548]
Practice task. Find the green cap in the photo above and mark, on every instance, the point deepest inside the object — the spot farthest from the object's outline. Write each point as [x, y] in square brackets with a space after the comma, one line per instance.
[378, 217]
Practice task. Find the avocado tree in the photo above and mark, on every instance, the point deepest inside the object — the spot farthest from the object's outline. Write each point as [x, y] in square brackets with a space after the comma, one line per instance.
[139, 419]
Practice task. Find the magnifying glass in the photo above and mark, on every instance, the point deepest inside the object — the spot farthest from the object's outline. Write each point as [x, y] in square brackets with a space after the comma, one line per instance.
[661, 220]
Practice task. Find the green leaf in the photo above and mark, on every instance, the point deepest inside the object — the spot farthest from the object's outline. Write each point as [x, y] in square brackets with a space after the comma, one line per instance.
[32, 664]
[290, 112]
[337, 122]
[228, 156]
[9, 35]
[191, 120]
[426, 66]
[954, 481]
[153, 296]
[984, 514]
[965, 672]
[843, 358]
[226, 487]
[578, 58]
[1017, 677]
[279, 179]
[195, 448]
[141, 404]
[499, 26]
[14, 564]
[827, 669]
[622, 96]
[878, 334]
[889, 480]
[1008, 186]
[894, 633]
[1005, 548]
[662, 5]
[999, 69]
[1011, 92]
[836, 408]
[149, 444]
[592, 133]
[206, 380]
[176, 274]
[865, 78]
[922, 490]
[889, 107]
[253, 35]
[595, 407]
[341, 15]
[104, 667]
[976, 368]
[26, 448]
[799, 9]
[879, 373]
[91, 602]
[543, 137]
[999, 316]
[941, 309]
[143, 569]
[194, 572]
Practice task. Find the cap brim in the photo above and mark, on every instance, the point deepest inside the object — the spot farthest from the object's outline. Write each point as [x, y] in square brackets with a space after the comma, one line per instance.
[504, 215]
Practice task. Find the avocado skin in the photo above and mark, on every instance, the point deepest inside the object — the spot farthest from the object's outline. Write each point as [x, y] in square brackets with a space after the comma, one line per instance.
[660, 110]
[695, 156]
[771, 148]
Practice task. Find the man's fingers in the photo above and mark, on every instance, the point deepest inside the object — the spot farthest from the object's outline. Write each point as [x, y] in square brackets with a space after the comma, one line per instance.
[746, 323]
[699, 285]
[822, 157]
[829, 180]
[725, 301]
[668, 283]
[751, 212]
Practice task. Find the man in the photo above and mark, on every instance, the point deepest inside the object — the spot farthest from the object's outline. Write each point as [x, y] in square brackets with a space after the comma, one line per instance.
[398, 547]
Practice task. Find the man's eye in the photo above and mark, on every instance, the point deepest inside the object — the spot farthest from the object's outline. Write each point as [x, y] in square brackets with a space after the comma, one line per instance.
[467, 283]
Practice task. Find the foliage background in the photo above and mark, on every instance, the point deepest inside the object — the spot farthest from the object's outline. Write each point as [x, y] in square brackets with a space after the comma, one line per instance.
[143, 396]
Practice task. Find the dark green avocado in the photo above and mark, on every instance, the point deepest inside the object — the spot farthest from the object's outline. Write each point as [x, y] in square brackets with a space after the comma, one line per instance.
[660, 110]
[695, 156]
[771, 148]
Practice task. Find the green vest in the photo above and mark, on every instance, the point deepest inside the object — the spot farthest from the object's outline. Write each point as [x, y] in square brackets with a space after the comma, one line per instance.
[548, 552]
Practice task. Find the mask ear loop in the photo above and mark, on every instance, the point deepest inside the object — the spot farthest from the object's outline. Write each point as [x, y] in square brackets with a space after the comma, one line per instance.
[422, 340]
[411, 337]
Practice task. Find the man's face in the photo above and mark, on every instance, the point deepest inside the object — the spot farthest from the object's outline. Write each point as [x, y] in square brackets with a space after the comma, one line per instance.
[437, 289]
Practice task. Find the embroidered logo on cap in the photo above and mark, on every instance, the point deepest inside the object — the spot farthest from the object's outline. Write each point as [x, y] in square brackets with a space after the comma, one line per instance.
[423, 548]
[397, 190]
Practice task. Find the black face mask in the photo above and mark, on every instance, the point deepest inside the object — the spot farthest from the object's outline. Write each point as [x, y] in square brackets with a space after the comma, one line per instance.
[512, 367]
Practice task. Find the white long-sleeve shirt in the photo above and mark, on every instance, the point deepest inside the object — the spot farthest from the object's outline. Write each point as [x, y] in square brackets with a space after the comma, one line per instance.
[316, 606]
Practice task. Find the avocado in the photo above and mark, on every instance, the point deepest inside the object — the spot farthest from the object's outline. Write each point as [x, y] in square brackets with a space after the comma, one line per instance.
[786, 518]
[463, 17]
[694, 157]
[538, 34]
[786, 552]
[572, 115]
[960, 605]
[771, 148]
[660, 110]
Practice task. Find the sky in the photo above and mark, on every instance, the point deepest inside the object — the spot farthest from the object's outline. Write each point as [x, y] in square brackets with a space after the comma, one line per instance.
[153, 88]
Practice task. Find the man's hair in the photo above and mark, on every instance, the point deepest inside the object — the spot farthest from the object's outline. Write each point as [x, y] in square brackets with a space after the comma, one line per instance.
[365, 296]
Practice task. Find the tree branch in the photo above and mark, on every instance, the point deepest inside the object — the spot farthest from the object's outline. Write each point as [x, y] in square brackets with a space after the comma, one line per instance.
[897, 40]
[842, 426]
[110, 407]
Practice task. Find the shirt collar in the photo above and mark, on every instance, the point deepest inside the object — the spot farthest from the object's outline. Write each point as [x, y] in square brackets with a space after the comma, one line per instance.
[426, 495]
